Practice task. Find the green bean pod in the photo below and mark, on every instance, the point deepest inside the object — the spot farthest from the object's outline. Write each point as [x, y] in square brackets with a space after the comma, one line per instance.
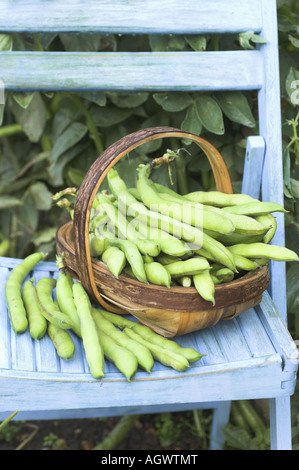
[64, 295]
[125, 361]
[188, 267]
[168, 243]
[243, 223]
[44, 291]
[133, 256]
[186, 213]
[219, 199]
[115, 260]
[269, 221]
[156, 273]
[205, 286]
[139, 211]
[118, 320]
[263, 250]
[62, 341]
[91, 342]
[37, 321]
[13, 292]
[143, 354]
[154, 338]
[255, 208]
[244, 264]
[97, 245]
[119, 220]
[184, 281]
[165, 356]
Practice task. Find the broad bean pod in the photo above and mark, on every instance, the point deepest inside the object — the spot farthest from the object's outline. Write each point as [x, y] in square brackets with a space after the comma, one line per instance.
[62, 341]
[143, 354]
[262, 250]
[219, 199]
[160, 354]
[64, 295]
[91, 342]
[44, 291]
[187, 267]
[125, 361]
[115, 260]
[133, 256]
[13, 292]
[268, 220]
[187, 213]
[156, 273]
[255, 208]
[205, 286]
[37, 321]
[120, 221]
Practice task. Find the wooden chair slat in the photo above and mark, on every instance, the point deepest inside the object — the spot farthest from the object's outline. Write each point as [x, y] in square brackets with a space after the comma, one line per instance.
[131, 17]
[190, 71]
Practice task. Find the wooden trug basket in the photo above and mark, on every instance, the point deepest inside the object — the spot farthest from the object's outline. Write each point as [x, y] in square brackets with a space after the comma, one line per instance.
[169, 312]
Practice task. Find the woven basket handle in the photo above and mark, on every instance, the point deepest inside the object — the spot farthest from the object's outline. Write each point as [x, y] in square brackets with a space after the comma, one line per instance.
[98, 171]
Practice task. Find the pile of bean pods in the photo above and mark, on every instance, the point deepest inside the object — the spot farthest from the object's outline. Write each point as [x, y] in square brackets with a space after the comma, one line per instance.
[54, 307]
[158, 236]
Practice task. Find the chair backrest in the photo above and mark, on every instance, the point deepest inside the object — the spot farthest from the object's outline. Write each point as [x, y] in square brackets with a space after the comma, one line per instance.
[190, 71]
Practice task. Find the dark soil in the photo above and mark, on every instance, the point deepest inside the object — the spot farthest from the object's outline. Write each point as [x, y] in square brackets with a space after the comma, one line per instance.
[165, 431]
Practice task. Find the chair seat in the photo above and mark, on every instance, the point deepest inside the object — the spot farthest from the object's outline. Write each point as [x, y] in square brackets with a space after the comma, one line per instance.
[251, 356]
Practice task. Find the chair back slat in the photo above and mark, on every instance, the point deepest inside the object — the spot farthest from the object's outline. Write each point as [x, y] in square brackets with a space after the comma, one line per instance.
[132, 71]
[131, 16]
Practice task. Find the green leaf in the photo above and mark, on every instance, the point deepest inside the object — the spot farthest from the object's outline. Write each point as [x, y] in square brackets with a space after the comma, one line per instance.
[293, 288]
[246, 39]
[23, 98]
[164, 42]
[292, 86]
[210, 114]
[41, 196]
[128, 100]
[67, 139]
[7, 202]
[173, 102]
[197, 42]
[294, 41]
[236, 107]
[33, 118]
[109, 115]
[5, 42]
[56, 169]
[96, 96]
[192, 122]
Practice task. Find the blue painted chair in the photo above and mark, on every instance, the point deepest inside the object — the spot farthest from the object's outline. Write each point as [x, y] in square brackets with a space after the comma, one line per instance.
[250, 357]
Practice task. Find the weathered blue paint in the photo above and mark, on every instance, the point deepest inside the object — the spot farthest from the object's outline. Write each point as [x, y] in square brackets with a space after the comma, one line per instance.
[146, 71]
[250, 357]
[131, 16]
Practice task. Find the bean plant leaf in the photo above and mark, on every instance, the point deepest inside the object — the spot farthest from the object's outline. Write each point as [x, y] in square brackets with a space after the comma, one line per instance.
[292, 85]
[197, 42]
[6, 42]
[173, 102]
[40, 196]
[109, 115]
[293, 289]
[210, 114]
[69, 137]
[166, 42]
[128, 100]
[235, 106]
[7, 202]
[23, 98]
[32, 118]
[249, 38]
[192, 122]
